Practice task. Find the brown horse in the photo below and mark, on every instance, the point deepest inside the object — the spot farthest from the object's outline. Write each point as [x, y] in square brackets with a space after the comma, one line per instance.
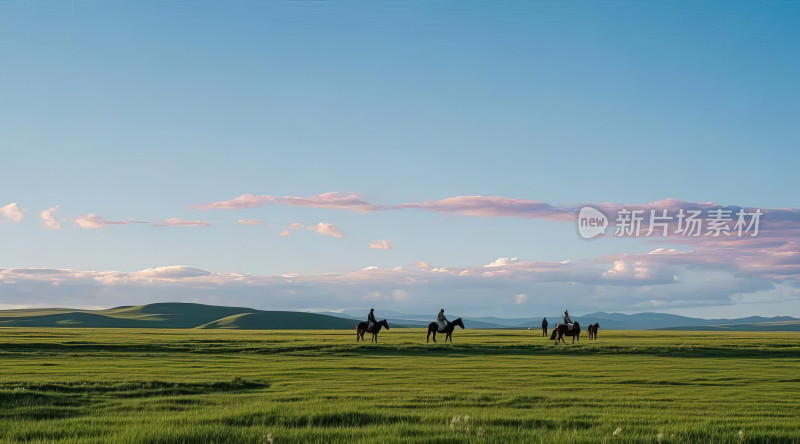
[362, 328]
[448, 330]
[592, 329]
[561, 330]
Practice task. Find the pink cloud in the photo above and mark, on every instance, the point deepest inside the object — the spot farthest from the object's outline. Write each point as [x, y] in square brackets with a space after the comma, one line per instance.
[380, 244]
[11, 213]
[249, 221]
[50, 222]
[352, 202]
[285, 233]
[178, 222]
[326, 229]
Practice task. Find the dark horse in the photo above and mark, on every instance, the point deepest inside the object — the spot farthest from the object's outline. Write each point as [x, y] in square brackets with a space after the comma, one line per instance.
[362, 328]
[592, 329]
[561, 330]
[448, 330]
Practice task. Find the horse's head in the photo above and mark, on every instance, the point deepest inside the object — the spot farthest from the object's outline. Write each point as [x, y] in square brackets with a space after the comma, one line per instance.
[576, 325]
[459, 322]
[596, 326]
[385, 324]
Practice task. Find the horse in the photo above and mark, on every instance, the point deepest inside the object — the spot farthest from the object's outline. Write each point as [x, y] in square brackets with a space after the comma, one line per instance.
[362, 328]
[592, 329]
[560, 330]
[448, 330]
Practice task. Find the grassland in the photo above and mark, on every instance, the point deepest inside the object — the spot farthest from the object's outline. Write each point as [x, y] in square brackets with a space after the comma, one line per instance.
[171, 386]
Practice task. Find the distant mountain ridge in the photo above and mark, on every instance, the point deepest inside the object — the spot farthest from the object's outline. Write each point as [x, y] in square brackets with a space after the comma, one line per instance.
[648, 321]
[189, 315]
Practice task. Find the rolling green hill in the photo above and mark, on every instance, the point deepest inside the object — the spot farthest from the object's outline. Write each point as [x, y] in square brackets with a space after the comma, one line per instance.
[172, 315]
[280, 320]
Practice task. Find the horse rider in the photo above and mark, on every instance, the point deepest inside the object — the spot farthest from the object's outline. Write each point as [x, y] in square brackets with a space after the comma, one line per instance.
[371, 320]
[544, 327]
[567, 320]
[441, 320]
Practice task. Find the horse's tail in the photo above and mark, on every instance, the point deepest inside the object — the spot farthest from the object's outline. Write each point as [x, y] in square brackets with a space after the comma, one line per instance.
[553, 336]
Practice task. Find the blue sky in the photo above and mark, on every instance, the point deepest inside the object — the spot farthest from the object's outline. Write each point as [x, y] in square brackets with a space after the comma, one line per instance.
[143, 110]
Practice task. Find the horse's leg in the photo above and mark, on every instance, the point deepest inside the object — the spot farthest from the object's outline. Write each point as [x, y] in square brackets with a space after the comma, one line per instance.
[428, 339]
[434, 336]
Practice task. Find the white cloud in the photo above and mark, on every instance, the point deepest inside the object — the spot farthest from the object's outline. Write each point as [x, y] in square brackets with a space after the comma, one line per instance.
[326, 229]
[400, 295]
[50, 222]
[94, 221]
[375, 296]
[90, 220]
[627, 269]
[10, 213]
[502, 262]
[622, 283]
[249, 221]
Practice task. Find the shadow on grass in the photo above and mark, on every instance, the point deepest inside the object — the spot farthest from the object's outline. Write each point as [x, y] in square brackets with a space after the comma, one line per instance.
[234, 347]
[54, 400]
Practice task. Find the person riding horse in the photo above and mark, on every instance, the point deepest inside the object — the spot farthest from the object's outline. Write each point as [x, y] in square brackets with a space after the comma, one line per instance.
[441, 321]
[567, 320]
[371, 320]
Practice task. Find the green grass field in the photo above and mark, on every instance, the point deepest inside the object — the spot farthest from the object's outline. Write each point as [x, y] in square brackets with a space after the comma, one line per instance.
[169, 386]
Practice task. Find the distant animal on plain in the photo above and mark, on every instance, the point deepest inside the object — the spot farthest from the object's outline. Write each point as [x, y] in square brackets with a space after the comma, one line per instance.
[592, 329]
